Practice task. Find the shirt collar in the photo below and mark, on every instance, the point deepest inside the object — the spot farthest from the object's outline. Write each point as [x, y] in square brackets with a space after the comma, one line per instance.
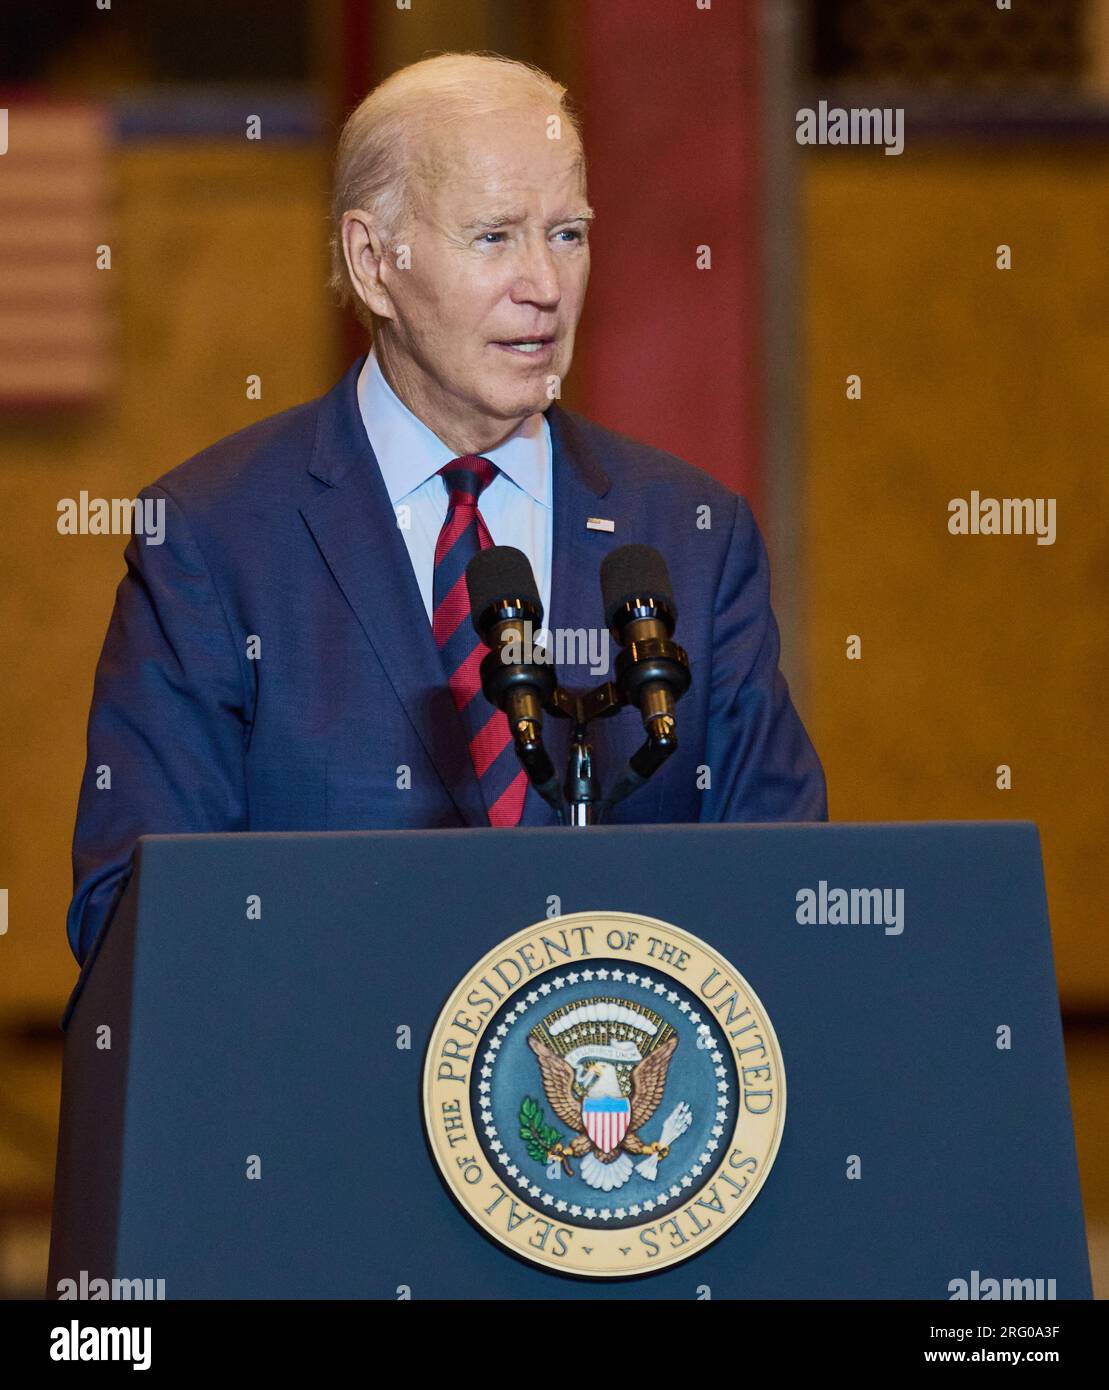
[408, 452]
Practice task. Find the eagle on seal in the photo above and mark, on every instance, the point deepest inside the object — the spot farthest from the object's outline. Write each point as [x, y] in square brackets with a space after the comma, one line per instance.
[605, 1124]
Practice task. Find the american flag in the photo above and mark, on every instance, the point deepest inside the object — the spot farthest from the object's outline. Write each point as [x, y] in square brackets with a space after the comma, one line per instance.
[55, 195]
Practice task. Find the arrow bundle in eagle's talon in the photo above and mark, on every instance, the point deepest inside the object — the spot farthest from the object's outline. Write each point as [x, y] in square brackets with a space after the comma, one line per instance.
[677, 1122]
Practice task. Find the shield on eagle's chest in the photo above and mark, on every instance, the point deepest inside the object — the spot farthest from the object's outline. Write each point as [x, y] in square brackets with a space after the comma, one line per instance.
[606, 1120]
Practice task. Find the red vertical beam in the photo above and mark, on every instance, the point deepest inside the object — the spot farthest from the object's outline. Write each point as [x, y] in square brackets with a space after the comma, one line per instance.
[669, 352]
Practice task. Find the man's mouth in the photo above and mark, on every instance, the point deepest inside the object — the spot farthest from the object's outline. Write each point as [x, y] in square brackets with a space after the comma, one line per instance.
[532, 347]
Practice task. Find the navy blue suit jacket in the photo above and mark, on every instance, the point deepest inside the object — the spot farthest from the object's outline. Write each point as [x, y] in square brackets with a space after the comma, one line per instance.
[284, 533]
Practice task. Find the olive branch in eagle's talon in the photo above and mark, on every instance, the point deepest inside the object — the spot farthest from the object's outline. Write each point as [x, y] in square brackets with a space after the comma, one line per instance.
[543, 1141]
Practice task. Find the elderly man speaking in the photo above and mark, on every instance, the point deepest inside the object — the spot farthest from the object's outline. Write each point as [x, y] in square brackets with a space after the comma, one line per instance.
[294, 655]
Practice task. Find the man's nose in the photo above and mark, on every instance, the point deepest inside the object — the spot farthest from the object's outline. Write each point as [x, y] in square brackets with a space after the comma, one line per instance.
[537, 278]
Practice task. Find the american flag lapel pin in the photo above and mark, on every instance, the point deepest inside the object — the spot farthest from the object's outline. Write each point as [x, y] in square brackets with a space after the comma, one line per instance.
[600, 523]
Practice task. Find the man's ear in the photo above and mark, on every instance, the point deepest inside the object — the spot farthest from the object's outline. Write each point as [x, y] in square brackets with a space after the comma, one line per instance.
[365, 253]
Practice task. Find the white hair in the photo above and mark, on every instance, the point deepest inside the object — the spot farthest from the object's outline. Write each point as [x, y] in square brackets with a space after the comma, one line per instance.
[383, 145]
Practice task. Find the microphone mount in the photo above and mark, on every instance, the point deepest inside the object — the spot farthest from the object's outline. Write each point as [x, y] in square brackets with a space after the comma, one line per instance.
[664, 660]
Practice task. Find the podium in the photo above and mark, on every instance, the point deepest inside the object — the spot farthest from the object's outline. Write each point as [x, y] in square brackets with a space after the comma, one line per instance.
[243, 1107]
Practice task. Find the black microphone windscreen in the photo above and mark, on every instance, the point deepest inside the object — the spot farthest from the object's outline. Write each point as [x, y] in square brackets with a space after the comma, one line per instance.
[634, 571]
[498, 573]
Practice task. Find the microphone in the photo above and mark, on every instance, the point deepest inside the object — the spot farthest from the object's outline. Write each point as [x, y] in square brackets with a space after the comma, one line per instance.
[652, 672]
[505, 610]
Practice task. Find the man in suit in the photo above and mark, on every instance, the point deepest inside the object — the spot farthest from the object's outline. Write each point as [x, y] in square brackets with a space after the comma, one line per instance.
[297, 654]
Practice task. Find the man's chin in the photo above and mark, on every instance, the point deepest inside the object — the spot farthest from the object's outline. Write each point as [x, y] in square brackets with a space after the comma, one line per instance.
[511, 407]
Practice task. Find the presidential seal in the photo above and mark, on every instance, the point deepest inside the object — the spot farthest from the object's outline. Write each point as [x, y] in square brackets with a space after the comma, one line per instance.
[604, 1094]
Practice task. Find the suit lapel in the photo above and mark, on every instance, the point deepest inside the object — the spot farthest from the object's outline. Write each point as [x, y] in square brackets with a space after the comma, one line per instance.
[355, 528]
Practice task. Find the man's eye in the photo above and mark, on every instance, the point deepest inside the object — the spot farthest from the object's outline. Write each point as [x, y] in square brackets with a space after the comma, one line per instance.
[489, 234]
[572, 231]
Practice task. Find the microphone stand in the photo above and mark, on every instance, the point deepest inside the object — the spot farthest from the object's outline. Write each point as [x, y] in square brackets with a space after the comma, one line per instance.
[582, 788]
[583, 791]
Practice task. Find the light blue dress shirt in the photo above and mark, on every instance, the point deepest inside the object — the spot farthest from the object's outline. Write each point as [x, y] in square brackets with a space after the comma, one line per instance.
[517, 506]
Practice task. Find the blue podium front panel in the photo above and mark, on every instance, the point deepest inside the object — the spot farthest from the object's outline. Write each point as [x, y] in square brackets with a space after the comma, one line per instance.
[255, 1128]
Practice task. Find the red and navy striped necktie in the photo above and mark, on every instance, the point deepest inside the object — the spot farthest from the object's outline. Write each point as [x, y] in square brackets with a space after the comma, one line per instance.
[502, 780]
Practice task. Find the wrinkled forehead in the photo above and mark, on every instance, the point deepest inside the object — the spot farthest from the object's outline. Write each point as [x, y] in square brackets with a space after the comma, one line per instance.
[462, 167]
